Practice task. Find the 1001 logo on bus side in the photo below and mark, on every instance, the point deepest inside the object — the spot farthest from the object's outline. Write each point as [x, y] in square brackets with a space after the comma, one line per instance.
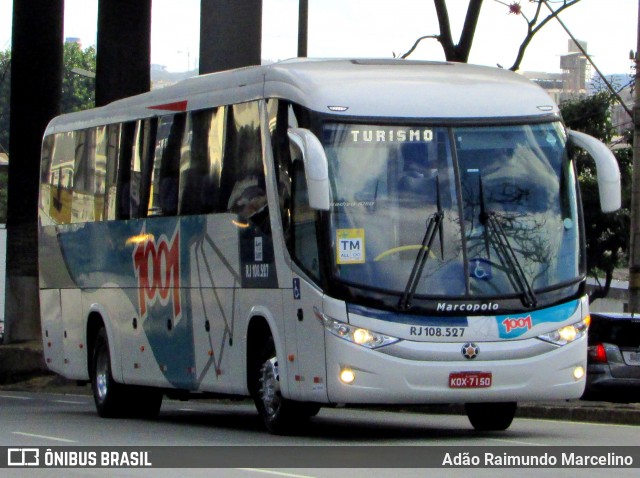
[157, 268]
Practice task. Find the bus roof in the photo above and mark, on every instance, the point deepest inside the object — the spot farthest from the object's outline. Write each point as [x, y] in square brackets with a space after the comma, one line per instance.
[371, 88]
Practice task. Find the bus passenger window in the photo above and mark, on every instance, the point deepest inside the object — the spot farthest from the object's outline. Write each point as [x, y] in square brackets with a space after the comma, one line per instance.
[163, 198]
[201, 162]
[243, 169]
[111, 172]
[61, 178]
[84, 177]
[141, 163]
[124, 154]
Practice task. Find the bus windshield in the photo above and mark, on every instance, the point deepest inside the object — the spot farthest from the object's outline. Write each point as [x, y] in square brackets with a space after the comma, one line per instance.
[472, 211]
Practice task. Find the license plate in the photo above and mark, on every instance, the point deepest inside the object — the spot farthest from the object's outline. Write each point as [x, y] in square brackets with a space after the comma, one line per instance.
[470, 380]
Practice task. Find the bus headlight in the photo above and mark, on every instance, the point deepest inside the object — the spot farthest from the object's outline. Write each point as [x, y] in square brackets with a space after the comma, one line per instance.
[567, 334]
[356, 335]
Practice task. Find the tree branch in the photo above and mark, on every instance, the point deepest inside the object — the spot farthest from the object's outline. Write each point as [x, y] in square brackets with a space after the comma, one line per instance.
[532, 30]
[602, 291]
[415, 45]
[468, 31]
[445, 38]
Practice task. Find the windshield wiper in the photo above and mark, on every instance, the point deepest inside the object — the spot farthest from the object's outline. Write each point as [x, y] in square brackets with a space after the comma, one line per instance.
[434, 225]
[506, 254]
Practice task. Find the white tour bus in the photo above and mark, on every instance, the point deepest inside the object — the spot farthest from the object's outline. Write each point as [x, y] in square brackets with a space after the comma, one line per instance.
[313, 233]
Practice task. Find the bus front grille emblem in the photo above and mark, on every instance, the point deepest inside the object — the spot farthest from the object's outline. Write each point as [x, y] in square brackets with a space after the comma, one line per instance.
[470, 350]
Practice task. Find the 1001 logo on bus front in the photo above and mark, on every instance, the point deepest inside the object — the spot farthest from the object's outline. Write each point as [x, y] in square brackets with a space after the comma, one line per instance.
[157, 268]
[511, 324]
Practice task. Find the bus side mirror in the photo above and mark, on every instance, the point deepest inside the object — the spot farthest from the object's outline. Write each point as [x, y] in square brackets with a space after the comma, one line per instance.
[315, 165]
[606, 167]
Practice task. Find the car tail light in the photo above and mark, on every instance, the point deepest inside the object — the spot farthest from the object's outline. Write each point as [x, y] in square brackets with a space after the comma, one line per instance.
[597, 353]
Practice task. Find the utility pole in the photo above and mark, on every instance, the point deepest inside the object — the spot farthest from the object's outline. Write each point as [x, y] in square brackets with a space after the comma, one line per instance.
[634, 246]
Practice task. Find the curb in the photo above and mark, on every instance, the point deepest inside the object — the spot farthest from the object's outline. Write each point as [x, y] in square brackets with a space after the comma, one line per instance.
[21, 361]
[583, 411]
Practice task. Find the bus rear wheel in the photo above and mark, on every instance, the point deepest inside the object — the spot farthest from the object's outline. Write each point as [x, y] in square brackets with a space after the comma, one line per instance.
[280, 415]
[114, 399]
[491, 416]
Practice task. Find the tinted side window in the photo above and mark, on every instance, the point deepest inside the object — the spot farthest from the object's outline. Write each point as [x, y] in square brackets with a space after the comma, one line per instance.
[244, 192]
[141, 163]
[298, 219]
[61, 177]
[47, 184]
[623, 333]
[111, 171]
[89, 175]
[243, 181]
[124, 154]
[83, 177]
[201, 162]
[163, 196]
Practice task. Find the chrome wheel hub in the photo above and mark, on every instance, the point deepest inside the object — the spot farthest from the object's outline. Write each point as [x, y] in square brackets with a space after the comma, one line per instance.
[270, 386]
[102, 378]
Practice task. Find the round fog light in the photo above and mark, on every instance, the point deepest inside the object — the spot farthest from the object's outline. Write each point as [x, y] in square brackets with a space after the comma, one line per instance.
[347, 376]
[578, 373]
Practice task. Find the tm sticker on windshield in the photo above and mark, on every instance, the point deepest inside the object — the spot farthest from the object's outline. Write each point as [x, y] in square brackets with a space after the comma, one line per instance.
[350, 246]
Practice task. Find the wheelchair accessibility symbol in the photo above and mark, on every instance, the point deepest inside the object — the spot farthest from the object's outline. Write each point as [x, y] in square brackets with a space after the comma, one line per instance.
[480, 269]
[296, 289]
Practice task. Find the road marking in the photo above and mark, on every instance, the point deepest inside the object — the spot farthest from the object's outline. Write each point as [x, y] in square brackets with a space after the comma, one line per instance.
[517, 442]
[579, 422]
[15, 397]
[597, 424]
[64, 440]
[275, 473]
[70, 402]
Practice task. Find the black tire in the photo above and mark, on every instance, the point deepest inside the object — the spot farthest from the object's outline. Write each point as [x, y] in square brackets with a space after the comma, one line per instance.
[107, 394]
[116, 400]
[491, 416]
[144, 402]
[280, 415]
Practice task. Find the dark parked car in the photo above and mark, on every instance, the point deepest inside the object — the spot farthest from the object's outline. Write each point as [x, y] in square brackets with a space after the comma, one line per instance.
[613, 361]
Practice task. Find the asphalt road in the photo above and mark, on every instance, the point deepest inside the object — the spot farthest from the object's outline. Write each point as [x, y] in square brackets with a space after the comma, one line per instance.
[48, 419]
[56, 420]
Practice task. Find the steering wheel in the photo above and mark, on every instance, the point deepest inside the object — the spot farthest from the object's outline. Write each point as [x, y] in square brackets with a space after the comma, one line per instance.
[395, 250]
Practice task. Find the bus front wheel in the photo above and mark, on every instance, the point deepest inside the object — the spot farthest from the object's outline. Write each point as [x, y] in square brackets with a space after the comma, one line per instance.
[491, 416]
[280, 415]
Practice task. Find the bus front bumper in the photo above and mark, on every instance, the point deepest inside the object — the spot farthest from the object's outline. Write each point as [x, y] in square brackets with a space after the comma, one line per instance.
[381, 378]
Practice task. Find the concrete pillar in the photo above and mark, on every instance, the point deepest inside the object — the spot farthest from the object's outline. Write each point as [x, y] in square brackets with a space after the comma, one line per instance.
[303, 28]
[36, 90]
[123, 54]
[230, 34]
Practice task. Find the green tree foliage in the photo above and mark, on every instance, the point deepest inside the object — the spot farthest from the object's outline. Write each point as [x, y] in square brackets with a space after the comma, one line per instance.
[607, 235]
[78, 89]
[78, 93]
